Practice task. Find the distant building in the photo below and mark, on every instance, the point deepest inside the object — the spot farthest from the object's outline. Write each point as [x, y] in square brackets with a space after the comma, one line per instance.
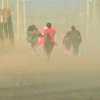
[18, 10]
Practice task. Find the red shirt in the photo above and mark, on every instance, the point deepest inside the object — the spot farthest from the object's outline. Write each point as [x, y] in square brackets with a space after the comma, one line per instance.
[50, 32]
[41, 41]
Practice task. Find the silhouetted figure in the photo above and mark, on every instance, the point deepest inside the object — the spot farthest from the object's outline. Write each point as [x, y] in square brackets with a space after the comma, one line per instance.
[10, 25]
[5, 23]
[72, 40]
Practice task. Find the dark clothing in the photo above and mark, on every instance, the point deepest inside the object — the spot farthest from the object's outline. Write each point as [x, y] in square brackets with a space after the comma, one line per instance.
[73, 39]
[5, 26]
[48, 45]
[67, 42]
[5, 29]
[32, 34]
[31, 28]
[10, 29]
[1, 31]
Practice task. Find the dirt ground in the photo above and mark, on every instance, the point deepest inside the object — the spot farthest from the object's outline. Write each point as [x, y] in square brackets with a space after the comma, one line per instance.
[21, 57]
[25, 74]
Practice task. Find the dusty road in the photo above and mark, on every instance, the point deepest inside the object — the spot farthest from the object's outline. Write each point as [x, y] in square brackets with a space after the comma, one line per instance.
[23, 58]
[24, 75]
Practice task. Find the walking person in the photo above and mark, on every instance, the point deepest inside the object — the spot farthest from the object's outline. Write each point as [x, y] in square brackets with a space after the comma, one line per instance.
[49, 33]
[72, 40]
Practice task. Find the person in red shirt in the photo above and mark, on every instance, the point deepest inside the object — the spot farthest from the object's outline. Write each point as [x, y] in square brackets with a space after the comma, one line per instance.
[48, 33]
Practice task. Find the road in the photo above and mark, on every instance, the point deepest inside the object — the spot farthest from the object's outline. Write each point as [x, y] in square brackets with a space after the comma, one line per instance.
[27, 75]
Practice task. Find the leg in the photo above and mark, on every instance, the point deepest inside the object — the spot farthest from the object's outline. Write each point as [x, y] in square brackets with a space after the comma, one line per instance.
[68, 46]
[6, 30]
[11, 37]
[1, 34]
[10, 31]
[1, 39]
[76, 49]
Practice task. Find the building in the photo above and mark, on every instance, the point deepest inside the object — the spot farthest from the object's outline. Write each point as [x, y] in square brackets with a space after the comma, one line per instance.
[18, 13]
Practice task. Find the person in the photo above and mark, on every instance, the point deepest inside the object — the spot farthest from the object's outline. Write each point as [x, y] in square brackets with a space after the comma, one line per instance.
[5, 23]
[49, 35]
[1, 26]
[50, 32]
[10, 25]
[33, 35]
[73, 39]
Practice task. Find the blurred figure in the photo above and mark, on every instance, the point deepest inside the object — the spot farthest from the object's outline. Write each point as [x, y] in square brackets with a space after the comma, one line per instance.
[72, 40]
[8, 24]
[33, 35]
[49, 35]
[5, 23]
[1, 26]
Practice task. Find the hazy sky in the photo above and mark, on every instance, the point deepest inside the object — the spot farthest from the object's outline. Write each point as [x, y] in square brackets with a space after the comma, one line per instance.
[56, 3]
[51, 4]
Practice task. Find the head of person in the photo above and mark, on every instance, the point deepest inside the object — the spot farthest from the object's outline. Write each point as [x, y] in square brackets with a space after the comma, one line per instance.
[73, 28]
[34, 27]
[49, 25]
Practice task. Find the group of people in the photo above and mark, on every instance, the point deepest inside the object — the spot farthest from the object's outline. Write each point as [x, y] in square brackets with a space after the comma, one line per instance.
[6, 25]
[46, 38]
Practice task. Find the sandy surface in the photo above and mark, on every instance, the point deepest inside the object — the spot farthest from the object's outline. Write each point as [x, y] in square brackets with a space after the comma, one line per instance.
[25, 74]
[23, 58]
